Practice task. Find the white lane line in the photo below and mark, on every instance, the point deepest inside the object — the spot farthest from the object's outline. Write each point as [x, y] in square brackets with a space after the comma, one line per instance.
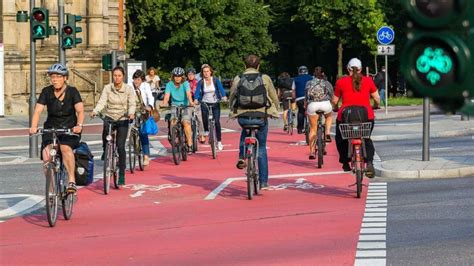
[229, 180]
[29, 202]
[371, 248]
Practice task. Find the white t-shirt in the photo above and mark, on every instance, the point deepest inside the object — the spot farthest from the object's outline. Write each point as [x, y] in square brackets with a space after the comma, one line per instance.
[209, 95]
[153, 82]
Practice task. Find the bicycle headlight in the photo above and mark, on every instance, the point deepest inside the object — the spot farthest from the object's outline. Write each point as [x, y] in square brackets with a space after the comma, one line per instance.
[52, 152]
[108, 137]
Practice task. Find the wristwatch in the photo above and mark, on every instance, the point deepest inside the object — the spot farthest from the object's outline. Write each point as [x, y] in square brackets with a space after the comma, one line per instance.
[79, 125]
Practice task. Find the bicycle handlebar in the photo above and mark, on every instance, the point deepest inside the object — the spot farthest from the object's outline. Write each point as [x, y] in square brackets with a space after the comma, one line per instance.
[59, 131]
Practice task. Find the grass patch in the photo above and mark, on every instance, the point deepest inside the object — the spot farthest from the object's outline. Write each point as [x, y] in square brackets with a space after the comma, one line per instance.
[403, 101]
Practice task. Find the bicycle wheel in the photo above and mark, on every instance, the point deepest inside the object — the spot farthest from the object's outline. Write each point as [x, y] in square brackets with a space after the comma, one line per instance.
[306, 132]
[51, 196]
[139, 154]
[289, 122]
[320, 146]
[256, 180]
[359, 182]
[250, 178]
[67, 203]
[184, 146]
[212, 139]
[115, 172]
[107, 168]
[195, 136]
[175, 145]
[132, 158]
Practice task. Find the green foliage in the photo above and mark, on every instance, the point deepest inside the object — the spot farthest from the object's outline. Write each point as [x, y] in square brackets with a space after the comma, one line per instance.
[189, 32]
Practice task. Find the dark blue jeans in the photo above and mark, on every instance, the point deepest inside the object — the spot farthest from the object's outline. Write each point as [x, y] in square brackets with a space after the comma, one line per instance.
[145, 143]
[216, 112]
[261, 135]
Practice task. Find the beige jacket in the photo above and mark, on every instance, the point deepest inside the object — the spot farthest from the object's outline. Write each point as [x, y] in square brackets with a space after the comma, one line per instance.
[272, 111]
[116, 104]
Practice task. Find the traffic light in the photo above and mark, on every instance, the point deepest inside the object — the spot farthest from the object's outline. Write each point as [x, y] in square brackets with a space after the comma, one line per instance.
[69, 31]
[438, 58]
[39, 23]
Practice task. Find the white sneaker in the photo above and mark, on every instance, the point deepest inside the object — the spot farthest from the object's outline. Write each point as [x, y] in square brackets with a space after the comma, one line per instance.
[220, 146]
[206, 133]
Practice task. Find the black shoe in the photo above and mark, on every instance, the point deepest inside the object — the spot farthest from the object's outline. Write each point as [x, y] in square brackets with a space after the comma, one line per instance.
[190, 149]
[71, 188]
[300, 131]
[346, 167]
[264, 185]
[241, 164]
[285, 127]
[102, 157]
[328, 138]
[312, 156]
[370, 170]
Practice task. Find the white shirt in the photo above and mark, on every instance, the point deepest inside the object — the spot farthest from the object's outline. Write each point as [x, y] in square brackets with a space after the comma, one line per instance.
[147, 96]
[153, 82]
[209, 95]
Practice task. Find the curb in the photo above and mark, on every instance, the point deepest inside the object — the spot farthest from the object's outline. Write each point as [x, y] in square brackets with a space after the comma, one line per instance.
[424, 173]
[441, 134]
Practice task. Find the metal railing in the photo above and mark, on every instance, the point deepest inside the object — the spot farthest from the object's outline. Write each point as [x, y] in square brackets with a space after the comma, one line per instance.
[88, 80]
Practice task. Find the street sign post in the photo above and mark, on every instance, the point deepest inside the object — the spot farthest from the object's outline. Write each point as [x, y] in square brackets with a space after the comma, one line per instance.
[385, 36]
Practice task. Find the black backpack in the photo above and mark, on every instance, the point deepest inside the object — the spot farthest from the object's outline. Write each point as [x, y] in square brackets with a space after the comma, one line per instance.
[355, 114]
[251, 92]
[84, 165]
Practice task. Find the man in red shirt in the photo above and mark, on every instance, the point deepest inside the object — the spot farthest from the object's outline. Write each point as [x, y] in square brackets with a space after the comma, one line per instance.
[355, 90]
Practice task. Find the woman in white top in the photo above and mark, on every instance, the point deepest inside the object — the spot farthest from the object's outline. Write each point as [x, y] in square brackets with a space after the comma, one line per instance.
[210, 91]
[145, 103]
[154, 81]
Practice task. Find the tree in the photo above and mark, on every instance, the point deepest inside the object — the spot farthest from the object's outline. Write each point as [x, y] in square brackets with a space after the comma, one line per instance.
[190, 32]
[346, 21]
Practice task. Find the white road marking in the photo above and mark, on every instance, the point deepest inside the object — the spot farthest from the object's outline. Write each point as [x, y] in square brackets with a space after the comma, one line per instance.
[29, 202]
[371, 248]
[137, 194]
[300, 181]
[229, 180]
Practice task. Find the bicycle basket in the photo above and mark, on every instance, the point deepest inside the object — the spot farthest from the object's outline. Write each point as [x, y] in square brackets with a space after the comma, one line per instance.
[355, 131]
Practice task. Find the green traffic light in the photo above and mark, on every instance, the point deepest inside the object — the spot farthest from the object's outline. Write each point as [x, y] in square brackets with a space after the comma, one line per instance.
[67, 42]
[39, 31]
[434, 62]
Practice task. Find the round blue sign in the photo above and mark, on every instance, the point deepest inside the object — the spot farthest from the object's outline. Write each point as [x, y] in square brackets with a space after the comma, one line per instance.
[385, 35]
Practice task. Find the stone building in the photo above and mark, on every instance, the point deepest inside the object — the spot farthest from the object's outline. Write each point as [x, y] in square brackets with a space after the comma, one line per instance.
[102, 31]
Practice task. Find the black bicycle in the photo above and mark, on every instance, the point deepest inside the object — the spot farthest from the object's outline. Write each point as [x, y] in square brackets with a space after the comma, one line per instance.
[251, 158]
[212, 129]
[111, 154]
[135, 150]
[194, 128]
[289, 117]
[176, 133]
[57, 179]
[321, 139]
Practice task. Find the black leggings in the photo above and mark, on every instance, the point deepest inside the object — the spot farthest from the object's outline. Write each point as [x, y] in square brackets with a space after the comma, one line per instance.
[301, 115]
[343, 146]
[122, 132]
[216, 112]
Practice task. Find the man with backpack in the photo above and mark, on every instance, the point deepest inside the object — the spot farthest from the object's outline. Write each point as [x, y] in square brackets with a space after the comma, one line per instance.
[252, 100]
[299, 85]
[318, 97]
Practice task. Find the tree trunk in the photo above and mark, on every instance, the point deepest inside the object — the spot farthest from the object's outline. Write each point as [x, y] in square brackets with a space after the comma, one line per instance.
[339, 59]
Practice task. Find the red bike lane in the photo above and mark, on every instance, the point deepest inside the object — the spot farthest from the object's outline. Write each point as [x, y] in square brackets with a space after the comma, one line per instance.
[198, 213]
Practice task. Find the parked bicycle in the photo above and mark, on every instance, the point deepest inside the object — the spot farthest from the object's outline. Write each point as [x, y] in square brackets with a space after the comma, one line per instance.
[356, 133]
[57, 179]
[135, 150]
[176, 133]
[111, 155]
[251, 157]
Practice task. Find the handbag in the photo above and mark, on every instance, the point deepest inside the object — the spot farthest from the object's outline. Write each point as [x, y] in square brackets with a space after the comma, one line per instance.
[149, 127]
[155, 114]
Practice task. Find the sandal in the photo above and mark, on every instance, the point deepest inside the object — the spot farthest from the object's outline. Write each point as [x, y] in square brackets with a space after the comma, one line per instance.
[71, 188]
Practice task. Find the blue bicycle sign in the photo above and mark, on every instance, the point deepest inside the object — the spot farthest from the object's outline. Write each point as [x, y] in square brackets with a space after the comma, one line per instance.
[385, 35]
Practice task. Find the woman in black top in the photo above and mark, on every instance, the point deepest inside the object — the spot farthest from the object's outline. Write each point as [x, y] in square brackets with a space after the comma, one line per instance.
[65, 110]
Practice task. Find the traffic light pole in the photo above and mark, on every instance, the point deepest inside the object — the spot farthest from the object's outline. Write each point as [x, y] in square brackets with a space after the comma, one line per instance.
[426, 129]
[33, 143]
[62, 52]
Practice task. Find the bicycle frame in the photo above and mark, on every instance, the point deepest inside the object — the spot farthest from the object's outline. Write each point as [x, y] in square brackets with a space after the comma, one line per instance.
[251, 147]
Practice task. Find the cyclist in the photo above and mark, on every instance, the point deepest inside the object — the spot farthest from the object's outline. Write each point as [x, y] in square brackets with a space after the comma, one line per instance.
[298, 88]
[252, 116]
[210, 91]
[284, 84]
[355, 90]
[178, 91]
[118, 103]
[318, 97]
[193, 82]
[145, 103]
[65, 110]
[154, 80]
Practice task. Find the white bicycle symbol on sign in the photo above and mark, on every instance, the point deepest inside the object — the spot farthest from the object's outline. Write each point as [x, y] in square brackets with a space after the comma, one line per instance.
[385, 35]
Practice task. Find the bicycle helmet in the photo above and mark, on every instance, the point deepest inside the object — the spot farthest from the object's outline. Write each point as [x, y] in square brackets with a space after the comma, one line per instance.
[191, 70]
[58, 69]
[177, 71]
[302, 70]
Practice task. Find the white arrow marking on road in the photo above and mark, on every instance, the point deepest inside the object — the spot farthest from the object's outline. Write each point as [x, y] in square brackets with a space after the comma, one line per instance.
[29, 202]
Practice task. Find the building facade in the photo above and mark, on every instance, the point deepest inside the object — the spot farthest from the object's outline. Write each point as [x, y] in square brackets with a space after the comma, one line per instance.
[102, 31]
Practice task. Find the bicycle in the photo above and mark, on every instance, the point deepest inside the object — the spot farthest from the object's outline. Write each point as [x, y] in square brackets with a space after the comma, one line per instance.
[194, 128]
[111, 155]
[176, 134]
[320, 140]
[251, 156]
[290, 119]
[212, 129]
[57, 179]
[135, 150]
[356, 133]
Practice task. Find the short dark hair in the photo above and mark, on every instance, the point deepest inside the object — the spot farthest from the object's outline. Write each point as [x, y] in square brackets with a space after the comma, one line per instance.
[252, 61]
[139, 74]
[119, 68]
